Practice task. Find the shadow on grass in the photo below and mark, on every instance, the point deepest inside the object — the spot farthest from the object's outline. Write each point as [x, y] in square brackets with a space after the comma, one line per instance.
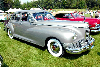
[4, 65]
[66, 55]
[98, 53]
[94, 33]
[31, 44]
[75, 56]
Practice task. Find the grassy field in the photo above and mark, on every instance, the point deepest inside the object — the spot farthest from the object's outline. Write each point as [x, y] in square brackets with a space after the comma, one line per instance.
[18, 53]
[70, 9]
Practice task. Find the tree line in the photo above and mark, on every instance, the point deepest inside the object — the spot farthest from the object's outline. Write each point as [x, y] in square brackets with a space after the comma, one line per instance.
[51, 4]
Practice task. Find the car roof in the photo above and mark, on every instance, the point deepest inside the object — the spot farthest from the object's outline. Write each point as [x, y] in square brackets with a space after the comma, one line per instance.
[31, 11]
[62, 12]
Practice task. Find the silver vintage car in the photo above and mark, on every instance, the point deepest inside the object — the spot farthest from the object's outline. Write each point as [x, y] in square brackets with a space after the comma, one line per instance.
[41, 28]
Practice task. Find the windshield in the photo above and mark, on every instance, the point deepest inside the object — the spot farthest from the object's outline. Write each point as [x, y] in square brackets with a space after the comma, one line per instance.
[43, 16]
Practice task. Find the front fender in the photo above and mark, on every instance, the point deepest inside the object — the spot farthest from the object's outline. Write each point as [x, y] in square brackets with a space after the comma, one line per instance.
[9, 26]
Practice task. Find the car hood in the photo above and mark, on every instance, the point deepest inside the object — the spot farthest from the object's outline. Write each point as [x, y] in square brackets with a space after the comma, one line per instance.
[64, 23]
[87, 18]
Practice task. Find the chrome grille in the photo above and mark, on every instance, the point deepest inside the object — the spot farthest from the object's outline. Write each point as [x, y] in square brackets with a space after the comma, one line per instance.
[87, 31]
[77, 44]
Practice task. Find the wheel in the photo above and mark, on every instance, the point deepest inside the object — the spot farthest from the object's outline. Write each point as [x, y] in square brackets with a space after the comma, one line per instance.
[1, 61]
[55, 48]
[10, 34]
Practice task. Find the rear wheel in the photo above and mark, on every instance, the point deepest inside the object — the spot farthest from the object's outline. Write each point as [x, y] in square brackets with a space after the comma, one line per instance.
[55, 48]
[10, 34]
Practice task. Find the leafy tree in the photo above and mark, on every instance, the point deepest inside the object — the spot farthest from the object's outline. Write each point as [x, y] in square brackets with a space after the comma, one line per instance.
[5, 4]
[51, 4]
[17, 4]
[81, 5]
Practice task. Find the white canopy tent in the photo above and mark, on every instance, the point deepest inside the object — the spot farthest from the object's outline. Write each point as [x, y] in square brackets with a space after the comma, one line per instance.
[13, 10]
[1, 11]
[35, 9]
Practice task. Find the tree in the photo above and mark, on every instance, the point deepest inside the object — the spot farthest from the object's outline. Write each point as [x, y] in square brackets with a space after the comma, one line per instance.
[81, 5]
[17, 4]
[5, 4]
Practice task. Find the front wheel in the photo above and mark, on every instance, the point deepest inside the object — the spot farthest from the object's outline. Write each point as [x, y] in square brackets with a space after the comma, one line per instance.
[10, 34]
[55, 48]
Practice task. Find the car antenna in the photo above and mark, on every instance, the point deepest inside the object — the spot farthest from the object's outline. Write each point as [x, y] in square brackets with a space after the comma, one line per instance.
[40, 7]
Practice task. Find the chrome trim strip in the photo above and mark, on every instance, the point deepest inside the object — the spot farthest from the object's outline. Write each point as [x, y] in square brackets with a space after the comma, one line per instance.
[95, 30]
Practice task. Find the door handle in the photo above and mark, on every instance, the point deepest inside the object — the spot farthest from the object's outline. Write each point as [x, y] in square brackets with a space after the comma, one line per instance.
[34, 24]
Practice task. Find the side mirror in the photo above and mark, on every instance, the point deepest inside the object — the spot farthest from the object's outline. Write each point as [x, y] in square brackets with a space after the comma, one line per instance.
[31, 21]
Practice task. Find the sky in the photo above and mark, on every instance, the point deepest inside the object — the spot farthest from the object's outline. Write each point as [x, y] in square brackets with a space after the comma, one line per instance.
[24, 1]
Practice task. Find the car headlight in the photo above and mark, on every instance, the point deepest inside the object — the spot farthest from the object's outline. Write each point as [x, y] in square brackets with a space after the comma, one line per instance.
[96, 24]
[75, 36]
[86, 26]
[86, 23]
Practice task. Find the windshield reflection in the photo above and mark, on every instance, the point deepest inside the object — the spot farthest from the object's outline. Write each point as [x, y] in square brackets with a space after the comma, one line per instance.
[43, 16]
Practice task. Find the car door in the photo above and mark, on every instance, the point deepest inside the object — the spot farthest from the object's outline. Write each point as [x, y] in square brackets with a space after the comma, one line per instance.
[28, 27]
[32, 28]
[17, 24]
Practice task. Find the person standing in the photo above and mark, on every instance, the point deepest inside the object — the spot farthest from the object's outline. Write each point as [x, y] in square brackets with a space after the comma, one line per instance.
[6, 19]
[91, 14]
[97, 15]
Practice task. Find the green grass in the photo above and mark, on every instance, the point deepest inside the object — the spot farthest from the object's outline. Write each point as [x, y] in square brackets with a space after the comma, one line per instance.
[18, 53]
[70, 9]
[88, 15]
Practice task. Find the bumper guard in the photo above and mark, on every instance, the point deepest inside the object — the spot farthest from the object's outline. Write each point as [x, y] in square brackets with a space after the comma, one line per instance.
[88, 46]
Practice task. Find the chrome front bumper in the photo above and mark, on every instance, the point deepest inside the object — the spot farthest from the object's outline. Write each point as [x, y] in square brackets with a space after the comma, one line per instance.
[95, 29]
[83, 48]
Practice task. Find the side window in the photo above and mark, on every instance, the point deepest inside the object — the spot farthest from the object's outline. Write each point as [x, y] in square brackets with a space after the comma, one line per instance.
[13, 17]
[39, 16]
[70, 16]
[17, 16]
[66, 16]
[24, 16]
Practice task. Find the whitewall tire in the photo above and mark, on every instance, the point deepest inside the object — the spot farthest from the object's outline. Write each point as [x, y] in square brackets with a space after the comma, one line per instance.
[10, 34]
[55, 48]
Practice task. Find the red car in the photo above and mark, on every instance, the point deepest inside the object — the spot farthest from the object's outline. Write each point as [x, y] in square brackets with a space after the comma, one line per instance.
[94, 23]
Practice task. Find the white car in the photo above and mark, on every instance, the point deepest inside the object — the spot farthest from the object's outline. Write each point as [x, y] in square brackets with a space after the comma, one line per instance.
[2, 16]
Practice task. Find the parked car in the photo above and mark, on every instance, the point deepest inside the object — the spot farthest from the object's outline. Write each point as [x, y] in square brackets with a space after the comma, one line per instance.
[94, 23]
[41, 28]
[2, 16]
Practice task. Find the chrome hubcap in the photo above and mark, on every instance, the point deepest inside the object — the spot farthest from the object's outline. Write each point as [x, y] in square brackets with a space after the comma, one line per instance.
[10, 33]
[54, 47]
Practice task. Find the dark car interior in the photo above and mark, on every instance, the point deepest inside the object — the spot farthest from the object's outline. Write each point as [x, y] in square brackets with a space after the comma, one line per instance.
[60, 15]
